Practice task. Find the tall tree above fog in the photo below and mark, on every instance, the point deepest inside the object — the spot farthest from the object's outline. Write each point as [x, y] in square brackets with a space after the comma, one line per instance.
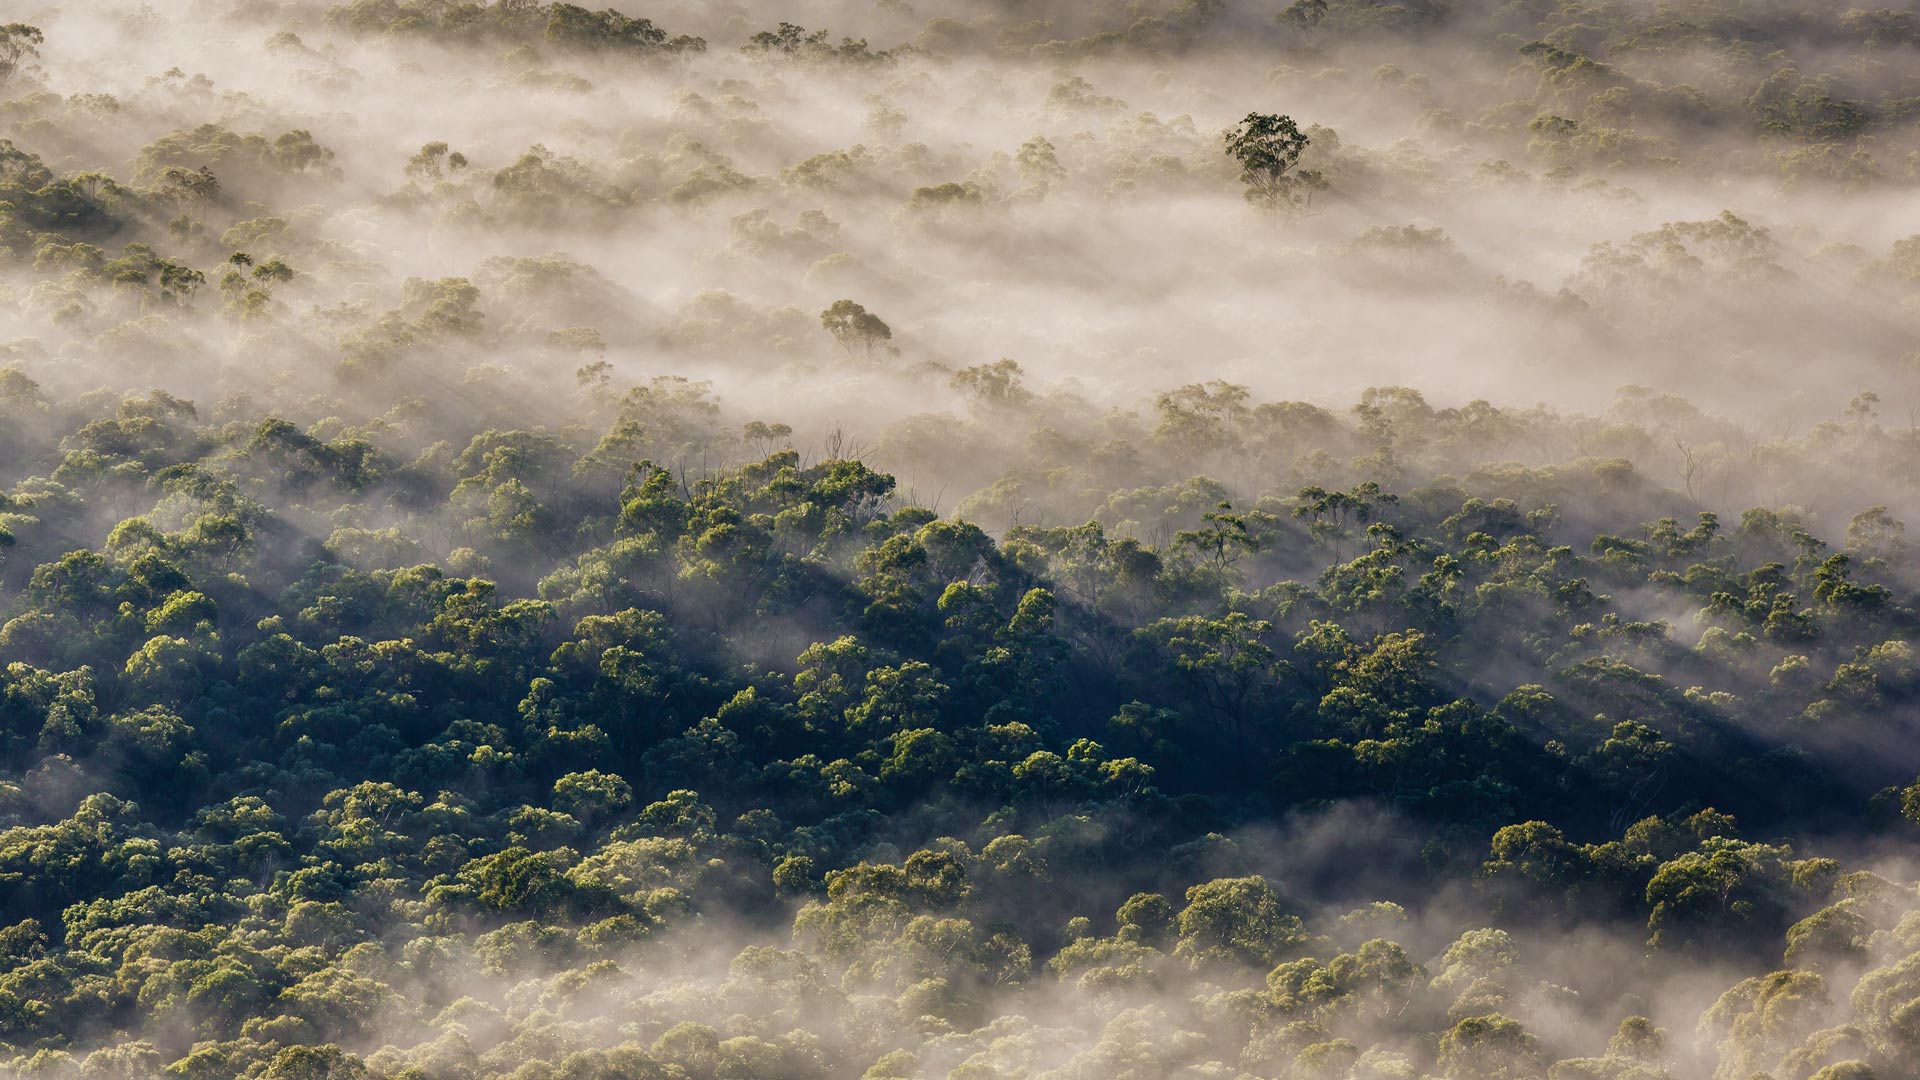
[17, 42]
[1303, 17]
[1268, 147]
[854, 327]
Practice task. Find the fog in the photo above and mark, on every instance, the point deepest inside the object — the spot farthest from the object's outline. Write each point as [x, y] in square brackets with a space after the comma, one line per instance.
[1124, 266]
[395, 326]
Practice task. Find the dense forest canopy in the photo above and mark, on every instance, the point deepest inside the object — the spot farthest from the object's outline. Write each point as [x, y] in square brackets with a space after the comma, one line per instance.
[991, 539]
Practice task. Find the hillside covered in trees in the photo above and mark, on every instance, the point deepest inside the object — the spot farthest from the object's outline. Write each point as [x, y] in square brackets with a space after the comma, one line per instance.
[975, 539]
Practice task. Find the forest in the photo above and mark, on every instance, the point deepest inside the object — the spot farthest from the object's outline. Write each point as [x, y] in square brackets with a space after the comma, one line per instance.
[974, 539]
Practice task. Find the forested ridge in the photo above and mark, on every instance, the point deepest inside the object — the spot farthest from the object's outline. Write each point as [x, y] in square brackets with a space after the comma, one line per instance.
[1316, 540]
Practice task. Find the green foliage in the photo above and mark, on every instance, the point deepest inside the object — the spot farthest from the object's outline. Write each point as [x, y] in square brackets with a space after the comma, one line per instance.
[435, 696]
[1267, 147]
[18, 41]
[854, 327]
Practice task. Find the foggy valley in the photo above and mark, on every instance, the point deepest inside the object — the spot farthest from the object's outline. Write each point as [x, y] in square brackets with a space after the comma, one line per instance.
[990, 539]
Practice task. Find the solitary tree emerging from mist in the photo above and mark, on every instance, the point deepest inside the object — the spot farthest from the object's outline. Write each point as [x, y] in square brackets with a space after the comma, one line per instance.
[435, 160]
[993, 386]
[17, 42]
[1039, 166]
[853, 326]
[1303, 17]
[193, 189]
[1268, 148]
[764, 437]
